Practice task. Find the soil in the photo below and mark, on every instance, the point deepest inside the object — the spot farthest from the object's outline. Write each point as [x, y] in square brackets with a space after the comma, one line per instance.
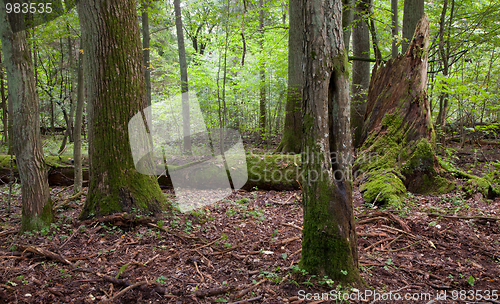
[247, 247]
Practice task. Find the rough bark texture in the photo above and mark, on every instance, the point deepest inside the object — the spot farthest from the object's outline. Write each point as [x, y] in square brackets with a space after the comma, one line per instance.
[77, 148]
[412, 13]
[329, 242]
[37, 208]
[360, 69]
[347, 17]
[145, 49]
[397, 153]
[292, 132]
[116, 92]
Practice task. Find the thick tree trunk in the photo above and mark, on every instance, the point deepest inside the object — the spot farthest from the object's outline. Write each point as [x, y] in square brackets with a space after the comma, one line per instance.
[37, 208]
[145, 49]
[329, 242]
[77, 148]
[397, 153]
[184, 78]
[116, 92]
[412, 13]
[292, 132]
[360, 69]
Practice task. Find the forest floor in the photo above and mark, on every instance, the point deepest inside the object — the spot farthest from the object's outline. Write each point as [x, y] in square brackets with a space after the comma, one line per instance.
[436, 249]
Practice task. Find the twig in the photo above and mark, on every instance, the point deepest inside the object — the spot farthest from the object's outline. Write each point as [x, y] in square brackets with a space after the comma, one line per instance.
[248, 300]
[376, 243]
[198, 271]
[406, 247]
[46, 253]
[247, 290]
[116, 296]
[298, 237]
[292, 225]
[213, 292]
[69, 199]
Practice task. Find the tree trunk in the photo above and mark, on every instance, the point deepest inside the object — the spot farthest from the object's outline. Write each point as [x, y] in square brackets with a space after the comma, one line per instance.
[329, 242]
[397, 153]
[262, 72]
[5, 120]
[77, 148]
[360, 69]
[347, 7]
[184, 78]
[412, 13]
[145, 49]
[445, 57]
[37, 207]
[292, 132]
[116, 92]
[395, 28]
[71, 88]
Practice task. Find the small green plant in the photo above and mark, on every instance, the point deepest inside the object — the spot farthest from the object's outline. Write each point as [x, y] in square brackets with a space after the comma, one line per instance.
[161, 279]
[228, 245]
[471, 280]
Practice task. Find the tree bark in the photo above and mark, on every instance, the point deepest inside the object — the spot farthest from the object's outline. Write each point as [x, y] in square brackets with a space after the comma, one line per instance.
[262, 73]
[397, 153]
[292, 132]
[5, 120]
[347, 17]
[395, 28]
[360, 69]
[145, 49]
[184, 78]
[329, 242]
[412, 13]
[116, 92]
[36, 204]
[77, 148]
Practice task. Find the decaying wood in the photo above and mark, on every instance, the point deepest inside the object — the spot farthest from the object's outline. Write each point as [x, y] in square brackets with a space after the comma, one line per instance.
[46, 253]
[247, 290]
[213, 291]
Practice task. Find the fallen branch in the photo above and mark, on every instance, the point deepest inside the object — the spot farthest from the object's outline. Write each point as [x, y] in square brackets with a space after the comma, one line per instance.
[46, 253]
[292, 225]
[116, 296]
[69, 199]
[286, 241]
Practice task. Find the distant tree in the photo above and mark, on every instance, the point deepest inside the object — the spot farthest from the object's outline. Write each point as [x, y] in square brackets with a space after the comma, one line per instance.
[184, 78]
[116, 92]
[292, 132]
[412, 13]
[37, 207]
[329, 241]
[146, 38]
[262, 73]
[360, 69]
[395, 27]
[77, 147]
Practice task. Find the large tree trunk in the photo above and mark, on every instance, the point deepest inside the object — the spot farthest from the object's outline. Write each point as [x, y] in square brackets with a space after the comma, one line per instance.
[116, 92]
[398, 138]
[347, 17]
[292, 132]
[37, 208]
[184, 78]
[329, 242]
[412, 13]
[360, 69]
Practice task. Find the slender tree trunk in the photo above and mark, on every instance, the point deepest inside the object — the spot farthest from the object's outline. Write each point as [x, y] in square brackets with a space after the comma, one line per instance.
[184, 78]
[262, 72]
[412, 13]
[77, 149]
[329, 242]
[347, 17]
[292, 132]
[360, 69]
[5, 120]
[37, 208]
[395, 28]
[71, 88]
[145, 49]
[116, 92]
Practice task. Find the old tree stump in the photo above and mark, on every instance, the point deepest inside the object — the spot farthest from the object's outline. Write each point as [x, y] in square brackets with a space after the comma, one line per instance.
[398, 140]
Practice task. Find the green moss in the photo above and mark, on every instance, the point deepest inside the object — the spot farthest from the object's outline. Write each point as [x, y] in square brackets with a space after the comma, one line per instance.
[38, 221]
[385, 186]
